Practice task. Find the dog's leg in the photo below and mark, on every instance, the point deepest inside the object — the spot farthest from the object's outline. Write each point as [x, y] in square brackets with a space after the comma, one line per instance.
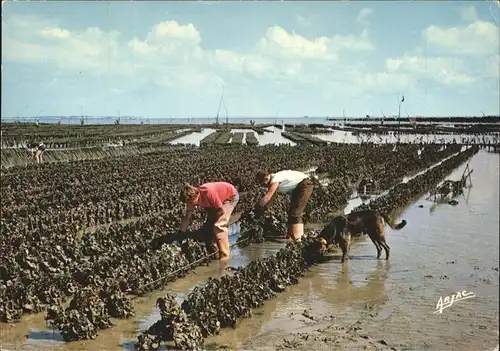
[377, 245]
[343, 246]
[380, 235]
[386, 247]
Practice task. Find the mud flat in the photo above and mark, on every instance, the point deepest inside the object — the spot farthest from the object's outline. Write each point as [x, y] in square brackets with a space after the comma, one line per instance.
[221, 303]
[108, 188]
[434, 256]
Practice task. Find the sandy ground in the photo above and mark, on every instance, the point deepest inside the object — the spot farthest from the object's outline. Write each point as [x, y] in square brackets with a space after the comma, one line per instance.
[321, 332]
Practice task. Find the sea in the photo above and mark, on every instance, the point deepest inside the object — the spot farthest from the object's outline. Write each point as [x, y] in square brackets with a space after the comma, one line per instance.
[93, 120]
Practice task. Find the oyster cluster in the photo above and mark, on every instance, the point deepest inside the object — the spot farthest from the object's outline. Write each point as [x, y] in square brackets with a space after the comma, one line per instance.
[220, 303]
[85, 315]
[103, 287]
[174, 325]
[403, 193]
[256, 227]
[71, 226]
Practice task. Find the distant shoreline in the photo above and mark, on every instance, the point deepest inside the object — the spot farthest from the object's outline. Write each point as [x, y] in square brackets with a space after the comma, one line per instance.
[246, 120]
[270, 117]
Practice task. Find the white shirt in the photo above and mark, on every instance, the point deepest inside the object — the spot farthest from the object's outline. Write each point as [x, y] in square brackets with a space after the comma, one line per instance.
[288, 180]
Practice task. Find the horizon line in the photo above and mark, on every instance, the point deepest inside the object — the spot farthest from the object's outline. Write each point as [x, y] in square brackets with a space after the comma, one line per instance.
[246, 117]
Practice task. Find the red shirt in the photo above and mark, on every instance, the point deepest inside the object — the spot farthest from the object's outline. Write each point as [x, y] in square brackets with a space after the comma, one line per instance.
[212, 195]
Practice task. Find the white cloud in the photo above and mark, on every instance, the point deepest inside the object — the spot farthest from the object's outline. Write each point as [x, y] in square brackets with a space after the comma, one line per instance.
[479, 38]
[140, 47]
[257, 65]
[359, 82]
[169, 39]
[446, 70]
[278, 42]
[281, 55]
[55, 33]
[170, 55]
[172, 29]
[91, 50]
[363, 16]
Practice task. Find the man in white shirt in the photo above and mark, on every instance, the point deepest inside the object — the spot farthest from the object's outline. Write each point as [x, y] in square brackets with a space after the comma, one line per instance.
[299, 185]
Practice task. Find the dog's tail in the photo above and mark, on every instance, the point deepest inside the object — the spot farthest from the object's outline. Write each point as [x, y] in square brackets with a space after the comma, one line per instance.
[392, 225]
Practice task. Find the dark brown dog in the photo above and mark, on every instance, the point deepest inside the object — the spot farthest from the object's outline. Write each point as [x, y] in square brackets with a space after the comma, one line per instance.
[369, 222]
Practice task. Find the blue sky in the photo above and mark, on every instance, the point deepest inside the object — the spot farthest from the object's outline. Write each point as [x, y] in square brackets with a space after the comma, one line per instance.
[166, 59]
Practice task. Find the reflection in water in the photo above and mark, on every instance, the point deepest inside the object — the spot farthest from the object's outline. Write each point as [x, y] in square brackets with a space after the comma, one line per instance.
[406, 179]
[193, 138]
[274, 137]
[350, 284]
[356, 200]
[315, 293]
[44, 339]
[340, 136]
[239, 257]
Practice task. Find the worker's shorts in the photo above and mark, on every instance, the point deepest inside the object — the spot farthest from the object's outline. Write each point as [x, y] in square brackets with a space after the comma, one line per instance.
[300, 196]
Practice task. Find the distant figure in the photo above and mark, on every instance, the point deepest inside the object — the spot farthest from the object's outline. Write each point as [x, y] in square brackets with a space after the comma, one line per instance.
[37, 149]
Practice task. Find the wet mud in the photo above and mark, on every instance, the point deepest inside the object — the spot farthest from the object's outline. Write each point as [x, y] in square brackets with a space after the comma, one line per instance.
[443, 250]
[364, 303]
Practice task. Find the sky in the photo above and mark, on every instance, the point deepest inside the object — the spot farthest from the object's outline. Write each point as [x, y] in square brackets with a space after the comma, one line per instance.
[293, 59]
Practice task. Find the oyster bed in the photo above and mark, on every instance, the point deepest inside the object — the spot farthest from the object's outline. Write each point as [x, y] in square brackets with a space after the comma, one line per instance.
[402, 193]
[221, 302]
[50, 256]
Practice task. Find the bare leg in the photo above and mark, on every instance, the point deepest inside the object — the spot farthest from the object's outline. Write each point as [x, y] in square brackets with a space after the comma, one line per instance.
[38, 156]
[343, 247]
[348, 241]
[33, 156]
[297, 231]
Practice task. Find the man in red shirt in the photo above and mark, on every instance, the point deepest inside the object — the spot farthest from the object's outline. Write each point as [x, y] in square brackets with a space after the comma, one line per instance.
[219, 200]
